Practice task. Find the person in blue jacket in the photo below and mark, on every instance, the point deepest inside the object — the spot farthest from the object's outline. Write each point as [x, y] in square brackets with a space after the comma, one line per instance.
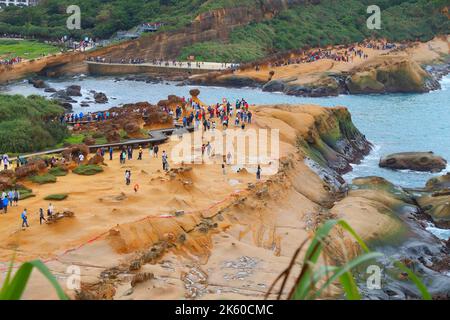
[5, 204]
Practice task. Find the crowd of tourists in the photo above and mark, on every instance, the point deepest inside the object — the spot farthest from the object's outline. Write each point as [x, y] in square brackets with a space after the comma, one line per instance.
[10, 61]
[341, 53]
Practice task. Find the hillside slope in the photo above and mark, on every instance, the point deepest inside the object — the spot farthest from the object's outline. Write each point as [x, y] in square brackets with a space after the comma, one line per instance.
[231, 30]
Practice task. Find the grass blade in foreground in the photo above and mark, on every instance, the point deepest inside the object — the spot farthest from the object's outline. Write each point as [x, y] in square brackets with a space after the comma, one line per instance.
[305, 284]
[13, 289]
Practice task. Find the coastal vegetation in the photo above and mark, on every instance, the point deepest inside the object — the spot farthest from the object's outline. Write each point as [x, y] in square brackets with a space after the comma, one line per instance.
[302, 25]
[322, 25]
[56, 197]
[58, 172]
[88, 170]
[25, 49]
[43, 179]
[28, 124]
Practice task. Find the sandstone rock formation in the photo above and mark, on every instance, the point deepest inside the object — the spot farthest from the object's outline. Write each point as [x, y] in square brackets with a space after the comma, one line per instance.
[416, 161]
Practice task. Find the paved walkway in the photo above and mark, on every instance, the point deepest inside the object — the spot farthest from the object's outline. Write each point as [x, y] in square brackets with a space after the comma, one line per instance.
[179, 65]
[156, 136]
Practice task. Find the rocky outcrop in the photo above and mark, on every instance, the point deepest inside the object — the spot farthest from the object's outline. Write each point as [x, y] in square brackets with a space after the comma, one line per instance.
[33, 167]
[73, 91]
[416, 161]
[96, 160]
[7, 179]
[72, 153]
[405, 76]
[38, 83]
[100, 97]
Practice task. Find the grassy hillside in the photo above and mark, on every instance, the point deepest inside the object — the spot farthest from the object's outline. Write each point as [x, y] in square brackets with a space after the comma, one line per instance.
[330, 22]
[325, 24]
[25, 49]
[25, 124]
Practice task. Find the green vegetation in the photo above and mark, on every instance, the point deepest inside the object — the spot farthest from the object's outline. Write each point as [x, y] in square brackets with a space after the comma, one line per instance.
[13, 288]
[326, 24]
[313, 280]
[43, 179]
[27, 124]
[58, 172]
[100, 19]
[88, 170]
[56, 197]
[302, 25]
[25, 49]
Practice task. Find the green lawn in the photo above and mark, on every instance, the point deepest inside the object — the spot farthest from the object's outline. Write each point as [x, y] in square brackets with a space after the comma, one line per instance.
[25, 49]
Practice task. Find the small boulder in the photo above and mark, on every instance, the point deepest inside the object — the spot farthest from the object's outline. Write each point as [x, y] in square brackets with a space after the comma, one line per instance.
[97, 159]
[416, 161]
[100, 97]
[73, 91]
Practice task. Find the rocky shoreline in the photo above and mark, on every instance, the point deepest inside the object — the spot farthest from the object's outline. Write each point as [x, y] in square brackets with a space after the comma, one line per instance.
[333, 84]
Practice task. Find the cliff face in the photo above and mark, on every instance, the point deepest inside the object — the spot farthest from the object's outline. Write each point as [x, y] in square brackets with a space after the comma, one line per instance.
[213, 25]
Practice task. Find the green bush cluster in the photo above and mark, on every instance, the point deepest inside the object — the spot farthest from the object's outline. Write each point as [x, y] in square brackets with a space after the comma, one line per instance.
[88, 170]
[43, 179]
[28, 124]
[56, 197]
[58, 172]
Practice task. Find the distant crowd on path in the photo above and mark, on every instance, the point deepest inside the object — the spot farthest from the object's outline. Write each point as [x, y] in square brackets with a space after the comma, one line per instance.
[340, 54]
[11, 61]
[159, 62]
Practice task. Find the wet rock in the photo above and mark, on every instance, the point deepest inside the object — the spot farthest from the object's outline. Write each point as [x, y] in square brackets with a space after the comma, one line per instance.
[50, 90]
[37, 83]
[274, 86]
[441, 182]
[73, 91]
[100, 97]
[416, 161]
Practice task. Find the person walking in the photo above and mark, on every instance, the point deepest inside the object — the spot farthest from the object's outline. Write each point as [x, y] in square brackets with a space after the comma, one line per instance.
[165, 162]
[5, 205]
[140, 153]
[127, 177]
[155, 151]
[258, 173]
[11, 198]
[50, 210]
[111, 151]
[24, 219]
[16, 197]
[41, 216]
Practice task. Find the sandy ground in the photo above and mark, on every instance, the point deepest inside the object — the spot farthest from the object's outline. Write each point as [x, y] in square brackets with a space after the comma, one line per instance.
[258, 225]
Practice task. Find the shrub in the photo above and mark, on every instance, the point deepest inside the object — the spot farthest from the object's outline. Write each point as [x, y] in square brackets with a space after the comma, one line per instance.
[88, 170]
[56, 197]
[58, 172]
[43, 179]
[26, 124]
